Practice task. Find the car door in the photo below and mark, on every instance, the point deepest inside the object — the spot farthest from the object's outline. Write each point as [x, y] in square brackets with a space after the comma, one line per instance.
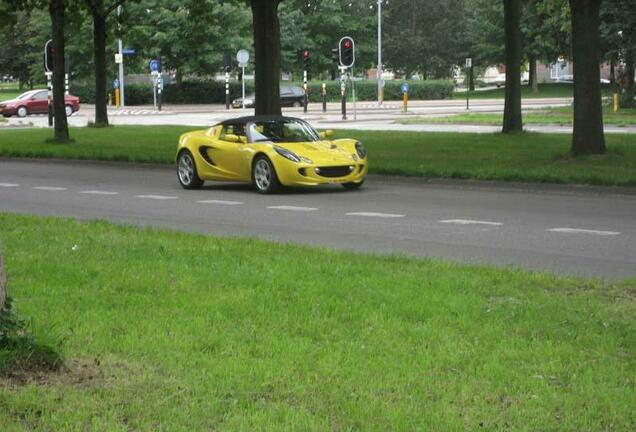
[39, 103]
[231, 159]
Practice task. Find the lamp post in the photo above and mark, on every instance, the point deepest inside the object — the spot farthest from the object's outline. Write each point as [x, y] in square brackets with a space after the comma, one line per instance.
[121, 57]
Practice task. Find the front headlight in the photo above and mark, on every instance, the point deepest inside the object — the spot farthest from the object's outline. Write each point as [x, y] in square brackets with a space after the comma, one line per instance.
[287, 154]
[360, 150]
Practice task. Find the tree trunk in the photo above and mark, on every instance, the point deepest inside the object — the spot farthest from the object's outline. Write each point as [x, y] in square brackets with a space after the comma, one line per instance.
[99, 53]
[3, 283]
[588, 136]
[512, 121]
[533, 79]
[56, 11]
[628, 98]
[266, 56]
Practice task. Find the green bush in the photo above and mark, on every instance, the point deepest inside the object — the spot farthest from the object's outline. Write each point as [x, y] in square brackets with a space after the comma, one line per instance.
[213, 92]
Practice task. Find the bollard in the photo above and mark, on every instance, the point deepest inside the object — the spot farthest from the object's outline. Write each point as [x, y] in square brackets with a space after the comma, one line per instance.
[324, 97]
[117, 97]
[617, 102]
[405, 101]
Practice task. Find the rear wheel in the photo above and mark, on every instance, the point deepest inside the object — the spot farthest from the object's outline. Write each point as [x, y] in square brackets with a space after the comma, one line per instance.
[352, 185]
[187, 171]
[69, 110]
[22, 111]
[264, 176]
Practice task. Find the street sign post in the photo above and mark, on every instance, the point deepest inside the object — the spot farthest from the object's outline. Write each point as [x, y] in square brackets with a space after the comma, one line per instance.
[405, 96]
[48, 71]
[154, 66]
[469, 65]
[243, 56]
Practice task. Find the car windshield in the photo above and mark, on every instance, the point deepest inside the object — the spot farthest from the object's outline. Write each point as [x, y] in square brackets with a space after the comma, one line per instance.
[282, 131]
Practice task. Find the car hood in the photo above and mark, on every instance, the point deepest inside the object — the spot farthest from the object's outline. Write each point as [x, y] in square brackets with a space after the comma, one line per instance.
[319, 151]
[8, 102]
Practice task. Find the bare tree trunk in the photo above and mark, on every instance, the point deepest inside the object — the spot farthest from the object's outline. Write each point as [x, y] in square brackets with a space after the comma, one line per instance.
[512, 121]
[266, 56]
[534, 81]
[99, 53]
[56, 10]
[588, 136]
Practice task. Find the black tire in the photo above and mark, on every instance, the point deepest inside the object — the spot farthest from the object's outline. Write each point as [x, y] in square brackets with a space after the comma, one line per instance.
[352, 185]
[264, 176]
[187, 171]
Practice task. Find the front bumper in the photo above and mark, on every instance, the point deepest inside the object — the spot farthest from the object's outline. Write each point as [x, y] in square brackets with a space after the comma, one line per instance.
[302, 174]
[7, 111]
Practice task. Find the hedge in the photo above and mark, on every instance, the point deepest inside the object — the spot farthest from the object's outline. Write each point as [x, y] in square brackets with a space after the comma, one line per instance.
[213, 92]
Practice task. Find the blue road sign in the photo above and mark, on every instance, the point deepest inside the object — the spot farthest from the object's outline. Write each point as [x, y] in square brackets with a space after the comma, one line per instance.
[405, 87]
[154, 65]
[128, 51]
[116, 83]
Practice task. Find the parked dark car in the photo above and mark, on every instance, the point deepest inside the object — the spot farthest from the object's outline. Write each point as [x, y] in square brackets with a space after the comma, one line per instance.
[35, 102]
[289, 97]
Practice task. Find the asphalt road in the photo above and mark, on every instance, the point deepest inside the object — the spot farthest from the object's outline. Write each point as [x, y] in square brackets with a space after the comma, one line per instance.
[366, 117]
[563, 230]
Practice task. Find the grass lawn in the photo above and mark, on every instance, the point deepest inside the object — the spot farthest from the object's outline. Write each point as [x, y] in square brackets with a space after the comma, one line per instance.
[559, 116]
[547, 90]
[525, 157]
[173, 331]
[9, 91]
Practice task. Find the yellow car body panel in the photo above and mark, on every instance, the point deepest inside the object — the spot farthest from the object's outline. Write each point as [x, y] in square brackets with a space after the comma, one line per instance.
[218, 159]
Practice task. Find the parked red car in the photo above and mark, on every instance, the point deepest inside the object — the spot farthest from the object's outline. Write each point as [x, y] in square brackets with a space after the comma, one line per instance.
[35, 102]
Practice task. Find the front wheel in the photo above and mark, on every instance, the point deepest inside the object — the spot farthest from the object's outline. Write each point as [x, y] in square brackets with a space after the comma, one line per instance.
[69, 110]
[264, 176]
[22, 112]
[187, 171]
[352, 185]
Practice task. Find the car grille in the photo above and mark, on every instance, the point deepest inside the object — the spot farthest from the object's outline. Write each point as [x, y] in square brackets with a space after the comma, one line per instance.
[337, 171]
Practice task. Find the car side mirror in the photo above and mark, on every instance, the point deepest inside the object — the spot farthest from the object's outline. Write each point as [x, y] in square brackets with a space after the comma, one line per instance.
[326, 134]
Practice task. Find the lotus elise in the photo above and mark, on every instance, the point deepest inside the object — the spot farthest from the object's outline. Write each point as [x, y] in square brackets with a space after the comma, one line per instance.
[270, 152]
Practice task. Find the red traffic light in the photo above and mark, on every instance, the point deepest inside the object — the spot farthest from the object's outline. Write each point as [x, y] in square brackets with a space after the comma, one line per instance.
[306, 54]
[347, 43]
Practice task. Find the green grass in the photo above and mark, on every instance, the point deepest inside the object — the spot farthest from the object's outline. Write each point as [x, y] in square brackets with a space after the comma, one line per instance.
[548, 90]
[552, 116]
[523, 157]
[173, 331]
[9, 91]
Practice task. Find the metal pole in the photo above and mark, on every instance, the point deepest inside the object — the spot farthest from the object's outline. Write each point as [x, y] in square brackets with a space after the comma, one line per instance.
[324, 97]
[227, 90]
[154, 90]
[49, 86]
[305, 87]
[467, 89]
[343, 92]
[380, 95]
[243, 85]
[121, 65]
[66, 84]
[159, 88]
[353, 90]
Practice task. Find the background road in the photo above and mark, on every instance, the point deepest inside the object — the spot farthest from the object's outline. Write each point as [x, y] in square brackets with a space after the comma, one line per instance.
[565, 230]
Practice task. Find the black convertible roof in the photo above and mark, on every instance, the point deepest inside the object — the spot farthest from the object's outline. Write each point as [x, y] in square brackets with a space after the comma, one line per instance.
[257, 118]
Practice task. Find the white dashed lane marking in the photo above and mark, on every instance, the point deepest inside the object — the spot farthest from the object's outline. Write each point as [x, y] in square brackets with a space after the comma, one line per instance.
[470, 222]
[292, 208]
[221, 202]
[97, 192]
[50, 188]
[583, 231]
[374, 214]
[9, 185]
[157, 197]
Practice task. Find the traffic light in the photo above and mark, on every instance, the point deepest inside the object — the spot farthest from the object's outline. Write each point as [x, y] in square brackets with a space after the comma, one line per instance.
[227, 61]
[347, 52]
[306, 60]
[49, 55]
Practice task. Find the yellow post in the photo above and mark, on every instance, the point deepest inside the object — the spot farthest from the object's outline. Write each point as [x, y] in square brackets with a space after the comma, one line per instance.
[405, 101]
[117, 97]
[617, 102]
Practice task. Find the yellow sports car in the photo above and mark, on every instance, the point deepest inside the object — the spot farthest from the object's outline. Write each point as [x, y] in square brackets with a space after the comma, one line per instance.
[270, 152]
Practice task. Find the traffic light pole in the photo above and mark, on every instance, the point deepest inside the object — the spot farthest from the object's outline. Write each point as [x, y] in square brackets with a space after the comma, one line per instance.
[324, 97]
[305, 100]
[227, 90]
[49, 86]
[121, 64]
[343, 91]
